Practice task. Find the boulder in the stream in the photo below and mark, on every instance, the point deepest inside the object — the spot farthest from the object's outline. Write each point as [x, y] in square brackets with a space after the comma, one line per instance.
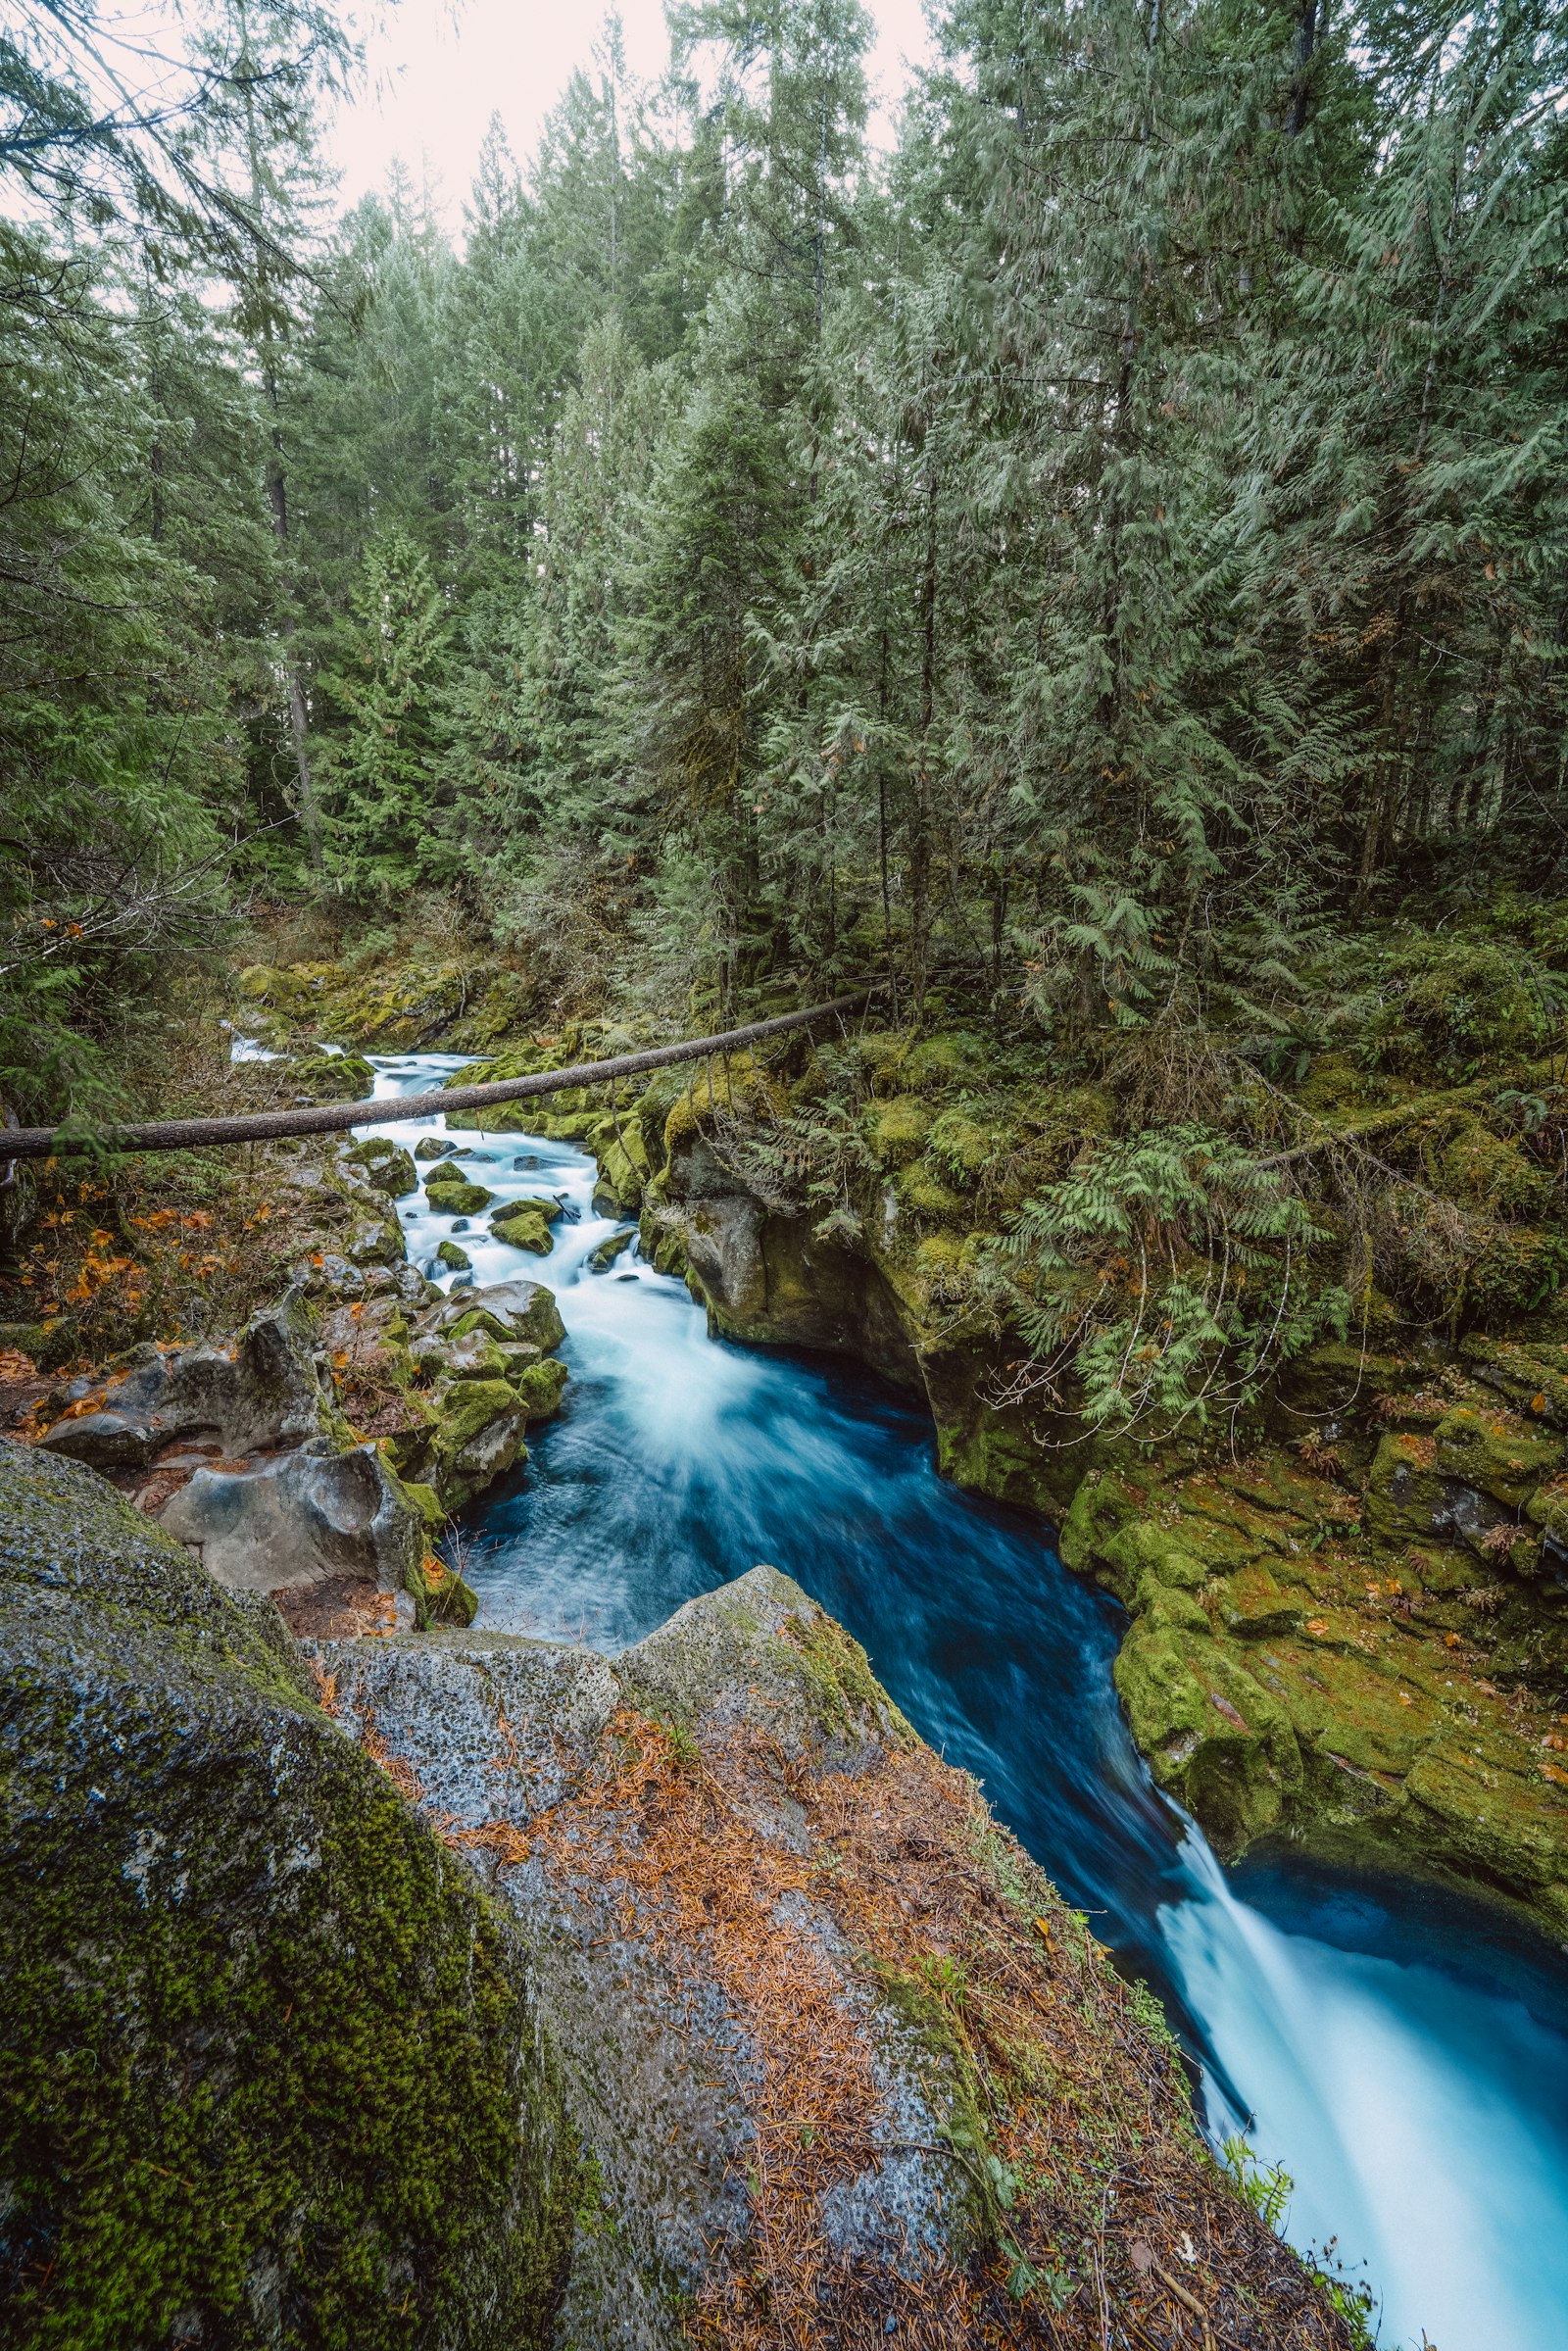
[273, 2070]
[452, 1195]
[524, 1228]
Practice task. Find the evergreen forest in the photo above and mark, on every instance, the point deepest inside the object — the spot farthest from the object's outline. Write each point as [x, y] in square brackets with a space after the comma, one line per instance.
[1096, 572]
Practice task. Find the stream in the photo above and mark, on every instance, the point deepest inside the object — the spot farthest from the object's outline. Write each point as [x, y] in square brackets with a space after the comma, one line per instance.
[1403, 2053]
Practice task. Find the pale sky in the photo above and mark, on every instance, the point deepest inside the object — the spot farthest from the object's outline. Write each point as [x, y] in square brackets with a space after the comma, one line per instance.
[437, 71]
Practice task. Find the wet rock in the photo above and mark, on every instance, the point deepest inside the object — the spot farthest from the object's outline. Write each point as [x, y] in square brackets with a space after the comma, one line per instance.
[478, 1436]
[256, 2007]
[263, 1391]
[519, 1310]
[543, 1204]
[435, 1147]
[524, 1229]
[602, 1259]
[456, 1197]
[450, 1254]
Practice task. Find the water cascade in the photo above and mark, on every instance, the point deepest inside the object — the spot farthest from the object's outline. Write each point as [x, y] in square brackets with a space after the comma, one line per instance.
[1404, 2055]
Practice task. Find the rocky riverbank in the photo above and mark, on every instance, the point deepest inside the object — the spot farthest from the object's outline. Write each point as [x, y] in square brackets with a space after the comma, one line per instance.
[449, 1989]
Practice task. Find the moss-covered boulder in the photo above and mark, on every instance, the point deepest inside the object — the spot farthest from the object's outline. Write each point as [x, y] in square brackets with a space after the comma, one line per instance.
[808, 1994]
[453, 1256]
[271, 2073]
[539, 1388]
[453, 1194]
[332, 1078]
[389, 1167]
[524, 1228]
[478, 1436]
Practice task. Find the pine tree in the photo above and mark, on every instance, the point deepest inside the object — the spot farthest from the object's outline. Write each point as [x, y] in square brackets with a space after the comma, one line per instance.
[384, 772]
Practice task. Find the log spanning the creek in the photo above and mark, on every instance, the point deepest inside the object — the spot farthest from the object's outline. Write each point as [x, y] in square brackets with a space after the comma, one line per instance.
[326, 1119]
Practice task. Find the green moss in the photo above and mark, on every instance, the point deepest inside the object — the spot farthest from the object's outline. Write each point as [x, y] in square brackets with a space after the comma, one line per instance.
[454, 1195]
[924, 1194]
[440, 1596]
[846, 1689]
[332, 1077]
[526, 1229]
[450, 1254]
[1495, 1453]
[390, 1167]
[896, 1130]
[539, 1388]
[267, 2074]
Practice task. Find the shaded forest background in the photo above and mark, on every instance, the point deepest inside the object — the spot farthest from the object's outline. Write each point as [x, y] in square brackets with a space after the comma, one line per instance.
[1090, 565]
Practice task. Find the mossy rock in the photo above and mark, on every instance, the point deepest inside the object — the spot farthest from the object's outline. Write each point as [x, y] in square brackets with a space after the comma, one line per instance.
[896, 1130]
[1534, 1378]
[516, 1312]
[922, 1190]
[261, 984]
[524, 1228]
[622, 1170]
[539, 1388]
[388, 1165]
[433, 1147]
[457, 1196]
[478, 1436]
[602, 1259]
[332, 1077]
[260, 2021]
[455, 1258]
[1495, 1453]
[543, 1204]
[938, 1062]
[1212, 1733]
[440, 1594]
[1405, 1491]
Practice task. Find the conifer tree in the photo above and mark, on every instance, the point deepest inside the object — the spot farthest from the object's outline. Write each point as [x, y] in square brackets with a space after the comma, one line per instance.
[383, 772]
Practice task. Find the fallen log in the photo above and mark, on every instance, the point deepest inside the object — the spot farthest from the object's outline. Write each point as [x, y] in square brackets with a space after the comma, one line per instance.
[326, 1119]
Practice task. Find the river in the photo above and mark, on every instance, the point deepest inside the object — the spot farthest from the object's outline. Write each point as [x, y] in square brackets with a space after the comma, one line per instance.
[1404, 2055]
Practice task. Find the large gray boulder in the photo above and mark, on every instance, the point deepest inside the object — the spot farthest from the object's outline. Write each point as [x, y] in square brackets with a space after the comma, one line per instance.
[272, 2073]
[843, 2065]
[254, 1468]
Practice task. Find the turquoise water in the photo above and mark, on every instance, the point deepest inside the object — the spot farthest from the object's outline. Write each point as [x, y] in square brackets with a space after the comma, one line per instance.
[1406, 2057]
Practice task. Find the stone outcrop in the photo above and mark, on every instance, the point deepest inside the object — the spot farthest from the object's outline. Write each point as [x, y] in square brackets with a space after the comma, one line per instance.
[327, 1445]
[840, 2062]
[273, 2073]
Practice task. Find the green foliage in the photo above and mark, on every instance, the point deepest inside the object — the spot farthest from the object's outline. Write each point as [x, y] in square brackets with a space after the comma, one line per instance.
[1458, 999]
[384, 829]
[1267, 2188]
[1169, 1271]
